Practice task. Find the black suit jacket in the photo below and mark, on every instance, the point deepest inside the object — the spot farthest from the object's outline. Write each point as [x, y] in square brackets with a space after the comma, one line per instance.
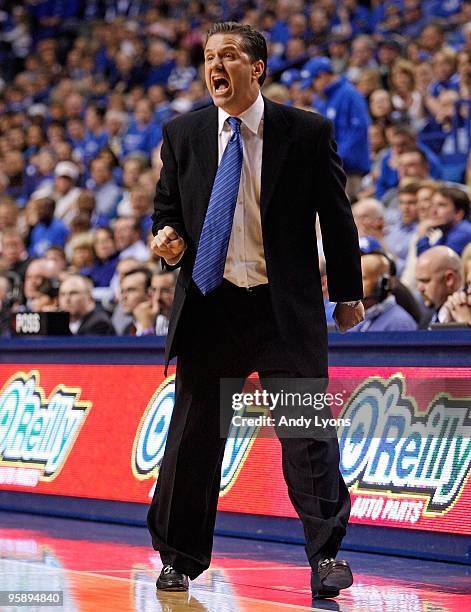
[96, 323]
[301, 176]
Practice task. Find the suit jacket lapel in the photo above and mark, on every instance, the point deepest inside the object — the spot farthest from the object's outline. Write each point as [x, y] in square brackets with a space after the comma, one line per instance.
[275, 148]
[205, 145]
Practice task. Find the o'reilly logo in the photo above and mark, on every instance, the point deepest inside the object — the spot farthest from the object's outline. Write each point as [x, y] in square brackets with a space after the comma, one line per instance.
[393, 447]
[151, 437]
[37, 432]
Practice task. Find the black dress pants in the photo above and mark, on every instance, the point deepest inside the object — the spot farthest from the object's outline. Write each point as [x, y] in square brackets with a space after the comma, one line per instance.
[231, 333]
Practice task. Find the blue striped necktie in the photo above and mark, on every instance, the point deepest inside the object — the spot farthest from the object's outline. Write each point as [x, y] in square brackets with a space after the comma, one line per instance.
[210, 259]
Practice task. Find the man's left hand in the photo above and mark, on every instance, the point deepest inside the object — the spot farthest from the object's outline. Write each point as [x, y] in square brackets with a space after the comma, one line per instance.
[347, 317]
[143, 314]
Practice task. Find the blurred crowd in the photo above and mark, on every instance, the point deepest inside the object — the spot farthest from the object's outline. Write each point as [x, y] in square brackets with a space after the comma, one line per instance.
[86, 86]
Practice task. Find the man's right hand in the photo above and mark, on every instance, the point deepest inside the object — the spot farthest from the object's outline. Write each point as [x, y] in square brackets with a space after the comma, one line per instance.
[169, 245]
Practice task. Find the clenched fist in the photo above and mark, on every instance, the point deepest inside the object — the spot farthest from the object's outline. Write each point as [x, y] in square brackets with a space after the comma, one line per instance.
[169, 245]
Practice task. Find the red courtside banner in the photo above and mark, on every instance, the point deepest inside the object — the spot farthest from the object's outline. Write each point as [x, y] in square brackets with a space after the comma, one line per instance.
[99, 431]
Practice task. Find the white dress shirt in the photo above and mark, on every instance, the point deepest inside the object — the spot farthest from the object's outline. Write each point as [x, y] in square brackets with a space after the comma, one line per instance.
[245, 261]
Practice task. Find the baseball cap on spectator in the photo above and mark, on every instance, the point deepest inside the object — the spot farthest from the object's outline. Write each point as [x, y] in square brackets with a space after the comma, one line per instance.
[368, 244]
[313, 68]
[67, 169]
[288, 77]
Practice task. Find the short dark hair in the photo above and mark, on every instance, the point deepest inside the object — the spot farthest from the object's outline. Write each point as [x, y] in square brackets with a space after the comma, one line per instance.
[404, 129]
[136, 224]
[420, 153]
[254, 43]
[106, 229]
[458, 196]
[141, 270]
[57, 249]
[410, 187]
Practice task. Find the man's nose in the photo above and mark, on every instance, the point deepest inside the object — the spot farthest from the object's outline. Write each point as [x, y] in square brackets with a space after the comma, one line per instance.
[216, 63]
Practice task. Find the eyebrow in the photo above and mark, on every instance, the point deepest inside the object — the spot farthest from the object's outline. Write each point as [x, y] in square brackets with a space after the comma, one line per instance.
[222, 49]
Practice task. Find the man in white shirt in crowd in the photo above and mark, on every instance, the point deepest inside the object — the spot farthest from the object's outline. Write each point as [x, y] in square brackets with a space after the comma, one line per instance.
[127, 236]
[65, 191]
[153, 317]
[135, 290]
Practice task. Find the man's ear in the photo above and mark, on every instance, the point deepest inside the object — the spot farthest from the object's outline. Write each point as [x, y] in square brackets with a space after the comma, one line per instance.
[257, 68]
[449, 278]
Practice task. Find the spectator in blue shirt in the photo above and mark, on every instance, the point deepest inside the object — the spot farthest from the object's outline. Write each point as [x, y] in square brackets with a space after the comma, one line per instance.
[76, 137]
[402, 139]
[106, 190]
[96, 136]
[382, 312]
[35, 139]
[432, 37]
[444, 70]
[183, 73]
[141, 209]
[40, 170]
[14, 168]
[143, 134]
[160, 65]
[279, 32]
[124, 73]
[413, 18]
[450, 215]
[347, 109]
[399, 235]
[48, 231]
[106, 258]
[358, 17]
[440, 8]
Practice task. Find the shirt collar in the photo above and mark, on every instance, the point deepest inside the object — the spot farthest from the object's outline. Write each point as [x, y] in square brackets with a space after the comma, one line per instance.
[381, 307]
[251, 117]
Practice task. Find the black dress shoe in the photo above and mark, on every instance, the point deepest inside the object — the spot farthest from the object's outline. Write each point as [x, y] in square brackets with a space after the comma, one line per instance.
[324, 604]
[333, 575]
[172, 580]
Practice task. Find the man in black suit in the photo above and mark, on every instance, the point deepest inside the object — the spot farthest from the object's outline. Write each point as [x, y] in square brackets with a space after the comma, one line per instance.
[75, 297]
[235, 208]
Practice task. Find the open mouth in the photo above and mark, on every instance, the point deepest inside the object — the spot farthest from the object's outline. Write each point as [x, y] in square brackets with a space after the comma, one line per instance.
[220, 84]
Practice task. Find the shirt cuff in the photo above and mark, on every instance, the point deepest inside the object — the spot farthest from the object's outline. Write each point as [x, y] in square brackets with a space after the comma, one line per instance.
[173, 262]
